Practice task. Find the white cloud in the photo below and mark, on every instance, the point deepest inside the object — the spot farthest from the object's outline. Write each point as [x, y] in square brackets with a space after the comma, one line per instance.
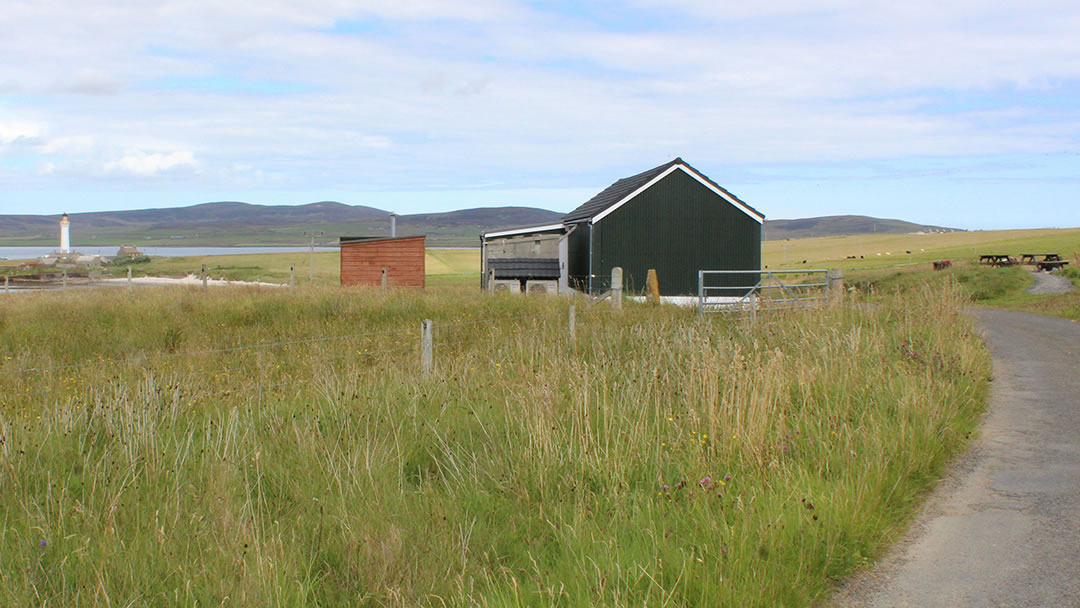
[497, 90]
[12, 131]
[145, 164]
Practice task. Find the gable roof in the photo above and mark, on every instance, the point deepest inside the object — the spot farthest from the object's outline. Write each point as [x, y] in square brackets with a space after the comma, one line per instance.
[622, 191]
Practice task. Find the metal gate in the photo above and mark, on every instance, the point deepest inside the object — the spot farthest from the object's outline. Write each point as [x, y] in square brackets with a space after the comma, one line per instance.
[748, 291]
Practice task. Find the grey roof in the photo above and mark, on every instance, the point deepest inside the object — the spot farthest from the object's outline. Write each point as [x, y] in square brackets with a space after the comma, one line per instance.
[627, 185]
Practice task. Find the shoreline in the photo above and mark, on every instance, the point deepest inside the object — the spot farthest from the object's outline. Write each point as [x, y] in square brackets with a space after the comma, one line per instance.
[83, 283]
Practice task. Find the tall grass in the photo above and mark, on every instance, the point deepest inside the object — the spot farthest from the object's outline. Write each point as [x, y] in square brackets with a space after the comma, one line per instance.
[146, 458]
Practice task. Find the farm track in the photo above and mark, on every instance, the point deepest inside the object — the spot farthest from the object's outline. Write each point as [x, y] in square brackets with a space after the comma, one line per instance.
[1003, 528]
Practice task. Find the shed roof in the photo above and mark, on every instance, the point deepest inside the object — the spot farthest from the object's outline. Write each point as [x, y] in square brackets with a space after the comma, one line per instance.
[619, 193]
[343, 240]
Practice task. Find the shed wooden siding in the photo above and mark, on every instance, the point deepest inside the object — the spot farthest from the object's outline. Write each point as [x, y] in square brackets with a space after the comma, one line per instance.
[677, 226]
[362, 262]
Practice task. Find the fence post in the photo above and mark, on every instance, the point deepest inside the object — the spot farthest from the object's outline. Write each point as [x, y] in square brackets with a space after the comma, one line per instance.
[129, 278]
[491, 281]
[616, 289]
[835, 289]
[384, 280]
[204, 283]
[753, 308]
[571, 322]
[292, 279]
[653, 285]
[426, 356]
[65, 280]
[6, 278]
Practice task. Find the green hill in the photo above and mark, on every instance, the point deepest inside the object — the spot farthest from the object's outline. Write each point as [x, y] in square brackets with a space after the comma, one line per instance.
[244, 224]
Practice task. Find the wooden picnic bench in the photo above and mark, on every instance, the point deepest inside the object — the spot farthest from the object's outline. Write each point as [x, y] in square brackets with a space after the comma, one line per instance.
[997, 260]
[1049, 265]
[1032, 259]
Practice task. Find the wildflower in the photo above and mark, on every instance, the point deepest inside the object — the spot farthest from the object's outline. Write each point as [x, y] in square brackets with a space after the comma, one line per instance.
[723, 549]
[727, 477]
[42, 543]
[705, 481]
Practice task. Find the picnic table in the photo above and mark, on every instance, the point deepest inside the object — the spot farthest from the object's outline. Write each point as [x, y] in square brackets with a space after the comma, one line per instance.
[997, 260]
[1049, 265]
[1032, 259]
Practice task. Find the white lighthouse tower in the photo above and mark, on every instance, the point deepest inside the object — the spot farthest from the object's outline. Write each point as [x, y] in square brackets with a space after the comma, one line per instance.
[65, 234]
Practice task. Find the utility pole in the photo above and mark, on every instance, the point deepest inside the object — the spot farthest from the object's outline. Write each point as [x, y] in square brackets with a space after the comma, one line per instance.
[311, 262]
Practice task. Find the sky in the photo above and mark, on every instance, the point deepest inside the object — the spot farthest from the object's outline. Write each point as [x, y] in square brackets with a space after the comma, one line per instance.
[963, 113]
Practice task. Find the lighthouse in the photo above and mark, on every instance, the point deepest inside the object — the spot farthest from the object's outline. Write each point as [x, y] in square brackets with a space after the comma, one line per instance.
[65, 234]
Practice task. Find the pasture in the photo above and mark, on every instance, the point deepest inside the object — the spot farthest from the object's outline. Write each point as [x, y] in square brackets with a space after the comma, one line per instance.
[170, 446]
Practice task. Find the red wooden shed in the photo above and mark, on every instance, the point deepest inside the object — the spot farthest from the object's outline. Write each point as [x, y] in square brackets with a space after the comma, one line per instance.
[364, 258]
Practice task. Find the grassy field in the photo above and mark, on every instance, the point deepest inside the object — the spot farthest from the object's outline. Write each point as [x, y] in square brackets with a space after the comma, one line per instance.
[443, 265]
[240, 447]
[875, 251]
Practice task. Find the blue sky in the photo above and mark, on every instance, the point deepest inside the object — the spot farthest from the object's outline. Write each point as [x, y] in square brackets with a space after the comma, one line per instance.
[962, 114]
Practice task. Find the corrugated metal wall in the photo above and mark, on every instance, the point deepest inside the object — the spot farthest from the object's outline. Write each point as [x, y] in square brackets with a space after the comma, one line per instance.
[362, 262]
[678, 227]
[577, 263]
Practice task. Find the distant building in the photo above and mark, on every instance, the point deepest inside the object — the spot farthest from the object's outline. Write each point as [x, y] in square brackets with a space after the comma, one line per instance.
[671, 218]
[65, 234]
[364, 259]
[66, 258]
[128, 251]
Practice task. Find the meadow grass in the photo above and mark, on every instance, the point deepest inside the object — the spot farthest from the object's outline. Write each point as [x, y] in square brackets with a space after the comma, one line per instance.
[247, 447]
[985, 286]
[884, 250]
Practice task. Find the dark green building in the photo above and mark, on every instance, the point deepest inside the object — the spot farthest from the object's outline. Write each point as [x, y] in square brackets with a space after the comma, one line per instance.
[671, 218]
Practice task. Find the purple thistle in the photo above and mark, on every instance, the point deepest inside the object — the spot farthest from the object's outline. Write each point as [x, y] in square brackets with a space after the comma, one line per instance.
[705, 481]
[42, 543]
[727, 477]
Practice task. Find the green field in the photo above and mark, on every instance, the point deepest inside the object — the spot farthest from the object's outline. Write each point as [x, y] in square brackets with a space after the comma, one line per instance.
[250, 447]
[170, 446]
[875, 251]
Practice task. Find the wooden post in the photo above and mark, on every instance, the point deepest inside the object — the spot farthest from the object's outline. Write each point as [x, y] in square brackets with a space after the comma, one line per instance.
[292, 279]
[653, 285]
[6, 278]
[204, 283]
[836, 286]
[426, 355]
[616, 288]
[65, 280]
[571, 323]
[491, 281]
[384, 280]
[129, 278]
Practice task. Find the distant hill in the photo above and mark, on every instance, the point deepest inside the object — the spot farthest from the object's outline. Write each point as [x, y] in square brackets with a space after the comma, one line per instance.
[244, 224]
[839, 225]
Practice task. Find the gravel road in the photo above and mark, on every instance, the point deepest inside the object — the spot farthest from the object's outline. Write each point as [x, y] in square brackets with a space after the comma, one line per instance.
[1003, 528]
[1046, 283]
